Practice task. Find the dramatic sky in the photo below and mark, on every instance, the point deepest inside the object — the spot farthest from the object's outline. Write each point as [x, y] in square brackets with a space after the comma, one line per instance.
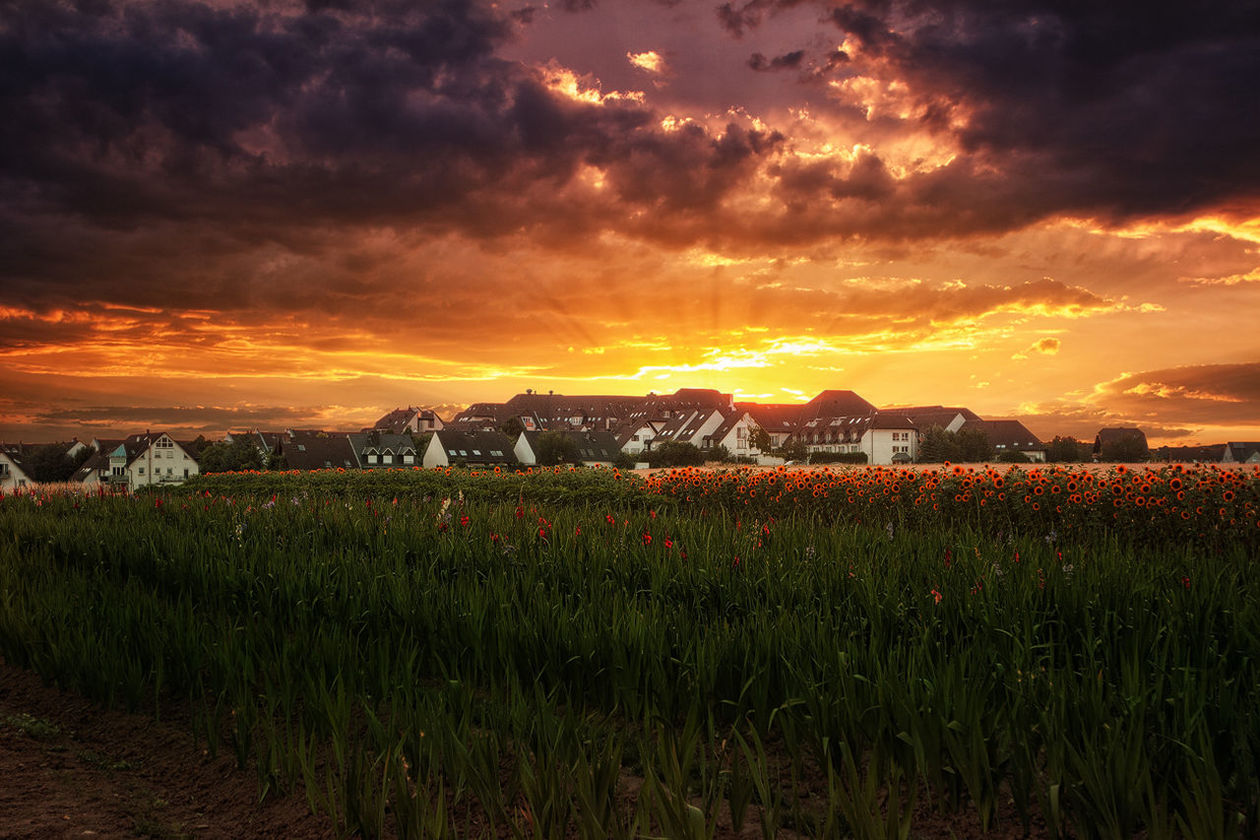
[267, 213]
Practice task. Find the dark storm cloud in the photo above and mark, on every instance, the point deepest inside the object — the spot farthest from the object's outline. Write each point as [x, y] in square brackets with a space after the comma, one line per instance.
[143, 137]
[787, 61]
[1112, 110]
[161, 152]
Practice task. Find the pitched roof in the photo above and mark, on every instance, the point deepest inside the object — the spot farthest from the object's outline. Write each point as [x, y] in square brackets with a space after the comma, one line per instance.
[927, 416]
[1006, 434]
[1243, 451]
[591, 446]
[837, 404]
[378, 443]
[730, 417]
[475, 447]
[98, 462]
[773, 417]
[1173, 454]
[310, 449]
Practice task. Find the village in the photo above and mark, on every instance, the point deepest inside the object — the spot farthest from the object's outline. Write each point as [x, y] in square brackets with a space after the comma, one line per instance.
[689, 426]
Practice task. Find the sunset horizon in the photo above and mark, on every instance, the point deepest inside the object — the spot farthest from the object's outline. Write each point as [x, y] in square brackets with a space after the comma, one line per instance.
[280, 214]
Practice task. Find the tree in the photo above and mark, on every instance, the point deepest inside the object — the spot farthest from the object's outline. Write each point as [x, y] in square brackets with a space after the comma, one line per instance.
[793, 450]
[719, 453]
[1125, 449]
[240, 454]
[672, 453]
[557, 448]
[51, 462]
[760, 440]
[937, 446]
[1067, 450]
[973, 445]
[512, 428]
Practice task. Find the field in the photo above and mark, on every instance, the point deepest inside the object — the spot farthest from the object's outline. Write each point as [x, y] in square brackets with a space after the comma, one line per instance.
[866, 652]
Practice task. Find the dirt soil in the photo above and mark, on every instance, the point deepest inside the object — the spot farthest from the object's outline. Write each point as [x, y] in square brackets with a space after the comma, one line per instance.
[69, 768]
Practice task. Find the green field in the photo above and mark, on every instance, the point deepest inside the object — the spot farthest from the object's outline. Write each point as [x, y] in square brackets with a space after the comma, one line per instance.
[434, 654]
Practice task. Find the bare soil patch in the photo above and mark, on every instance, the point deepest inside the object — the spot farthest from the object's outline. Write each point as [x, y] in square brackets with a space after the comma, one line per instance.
[69, 768]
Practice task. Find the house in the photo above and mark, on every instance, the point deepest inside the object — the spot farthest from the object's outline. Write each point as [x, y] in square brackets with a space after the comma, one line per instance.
[735, 433]
[694, 426]
[1010, 436]
[12, 475]
[924, 417]
[311, 449]
[883, 438]
[593, 448]
[1209, 454]
[1237, 452]
[409, 420]
[778, 420]
[481, 417]
[481, 448]
[1121, 444]
[376, 450]
[637, 436]
[140, 460]
[94, 471]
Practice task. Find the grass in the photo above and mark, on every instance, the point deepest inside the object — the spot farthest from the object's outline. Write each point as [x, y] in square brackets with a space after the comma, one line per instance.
[466, 656]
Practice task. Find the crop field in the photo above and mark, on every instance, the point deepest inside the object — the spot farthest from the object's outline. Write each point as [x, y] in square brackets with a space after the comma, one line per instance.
[868, 652]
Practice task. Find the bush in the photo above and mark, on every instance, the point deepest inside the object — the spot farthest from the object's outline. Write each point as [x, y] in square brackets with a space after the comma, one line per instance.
[837, 458]
[671, 453]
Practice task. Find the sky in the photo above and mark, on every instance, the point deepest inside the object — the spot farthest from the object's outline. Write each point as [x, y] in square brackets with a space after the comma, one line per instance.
[224, 215]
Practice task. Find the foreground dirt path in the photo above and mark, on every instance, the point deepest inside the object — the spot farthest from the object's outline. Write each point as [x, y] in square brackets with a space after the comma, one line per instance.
[71, 769]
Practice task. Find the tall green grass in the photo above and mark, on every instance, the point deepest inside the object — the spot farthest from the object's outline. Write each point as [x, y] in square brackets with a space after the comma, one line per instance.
[454, 667]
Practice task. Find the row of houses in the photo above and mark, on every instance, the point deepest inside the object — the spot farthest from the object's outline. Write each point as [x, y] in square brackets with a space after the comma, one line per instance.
[600, 429]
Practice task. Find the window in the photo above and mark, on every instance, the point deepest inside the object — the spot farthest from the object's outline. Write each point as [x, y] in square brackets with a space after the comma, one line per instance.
[141, 470]
[496, 453]
[185, 472]
[476, 451]
[409, 458]
[301, 447]
[372, 459]
[462, 452]
[451, 452]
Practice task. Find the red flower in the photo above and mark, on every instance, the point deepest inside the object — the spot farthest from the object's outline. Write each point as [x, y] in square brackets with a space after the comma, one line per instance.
[669, 543]
[610, 519]
[542, 533]
[1185, 581]
[577, 532]
[936, 596]
[647, 538]
[463, 520]
[520, 512]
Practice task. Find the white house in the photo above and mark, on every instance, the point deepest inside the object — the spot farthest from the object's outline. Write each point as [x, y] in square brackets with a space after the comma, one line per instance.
[488, 449]
[884, 438]
[149, 459]
[11, 473]
[637, 436]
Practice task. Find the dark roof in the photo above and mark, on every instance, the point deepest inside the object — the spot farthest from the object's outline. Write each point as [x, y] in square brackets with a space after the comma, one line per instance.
[396, 420]
[730, 417]
[1241, 452]
[99, 461]
[927, 416]
[478, 446]
[379, 442]
[837, 404]
[591, 446]
[308, 449]
[773, 417]
[1006, 434]
[1173, 454]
